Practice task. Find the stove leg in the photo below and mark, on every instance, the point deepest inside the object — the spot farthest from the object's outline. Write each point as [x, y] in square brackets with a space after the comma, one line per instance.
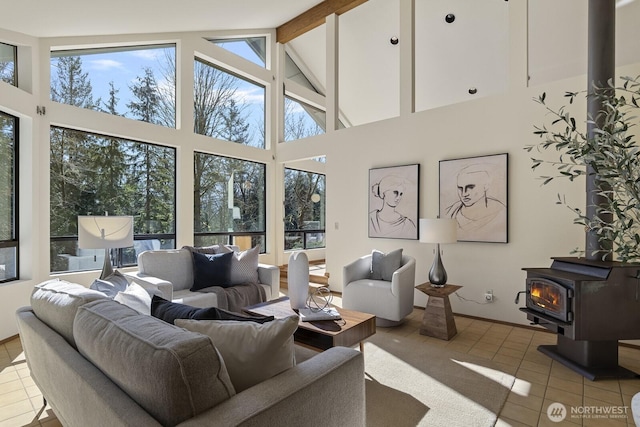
[592, 359]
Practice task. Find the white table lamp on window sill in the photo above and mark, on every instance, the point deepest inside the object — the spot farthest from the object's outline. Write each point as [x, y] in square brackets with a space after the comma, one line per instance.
[438, 231]
[105, 232]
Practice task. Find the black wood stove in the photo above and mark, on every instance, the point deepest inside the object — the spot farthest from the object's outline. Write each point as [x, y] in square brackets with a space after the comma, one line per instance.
[590, 305]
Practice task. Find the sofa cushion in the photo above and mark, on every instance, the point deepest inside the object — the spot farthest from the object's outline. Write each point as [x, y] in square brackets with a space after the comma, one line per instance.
[111, 285]
[170, 311]
[384, 265]
[55, 302]
[252, 352]
[172, 373]
[211, 270]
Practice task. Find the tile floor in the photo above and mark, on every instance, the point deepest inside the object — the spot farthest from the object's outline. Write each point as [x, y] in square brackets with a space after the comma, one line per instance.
[540, 381]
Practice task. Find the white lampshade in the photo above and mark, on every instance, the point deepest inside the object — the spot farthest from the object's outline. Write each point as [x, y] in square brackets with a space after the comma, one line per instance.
[439, 230]
[105, 232]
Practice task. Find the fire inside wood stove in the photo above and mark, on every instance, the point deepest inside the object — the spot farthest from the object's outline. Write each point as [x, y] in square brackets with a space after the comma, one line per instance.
[549, 297]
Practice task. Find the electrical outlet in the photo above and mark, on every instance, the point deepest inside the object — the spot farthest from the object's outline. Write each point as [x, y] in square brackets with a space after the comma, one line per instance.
[488, 295]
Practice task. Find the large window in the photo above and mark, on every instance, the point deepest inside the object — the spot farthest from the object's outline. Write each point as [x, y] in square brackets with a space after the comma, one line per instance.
[8, 202]
[228, 107]
[304, 209]
[95, 174]
[229, 202]
[8, 54]
[135, 82]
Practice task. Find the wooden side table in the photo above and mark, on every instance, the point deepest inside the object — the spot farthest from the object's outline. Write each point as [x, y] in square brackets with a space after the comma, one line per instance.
[438, 318]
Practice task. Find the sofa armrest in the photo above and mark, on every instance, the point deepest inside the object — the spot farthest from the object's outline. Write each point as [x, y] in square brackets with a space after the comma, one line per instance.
[326, 390]
[270, 275]
[403, 279]
[356, 270]
[152, 284]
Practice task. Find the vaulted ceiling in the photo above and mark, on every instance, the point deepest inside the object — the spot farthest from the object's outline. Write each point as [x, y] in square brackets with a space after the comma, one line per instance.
[455, 61]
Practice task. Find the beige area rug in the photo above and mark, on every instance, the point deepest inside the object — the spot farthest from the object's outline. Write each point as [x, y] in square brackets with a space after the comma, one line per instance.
[410, 383]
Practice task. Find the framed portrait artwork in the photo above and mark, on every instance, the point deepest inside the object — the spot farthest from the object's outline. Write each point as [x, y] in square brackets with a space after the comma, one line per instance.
[393, 202]
[473, 190]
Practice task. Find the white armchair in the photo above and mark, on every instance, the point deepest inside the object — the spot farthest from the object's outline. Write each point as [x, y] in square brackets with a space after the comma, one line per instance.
[390, 301]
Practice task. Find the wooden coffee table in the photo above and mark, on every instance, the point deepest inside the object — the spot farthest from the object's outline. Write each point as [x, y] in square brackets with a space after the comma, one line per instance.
[352, 329]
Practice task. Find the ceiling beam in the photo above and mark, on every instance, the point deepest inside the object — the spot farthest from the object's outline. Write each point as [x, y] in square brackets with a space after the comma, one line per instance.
[313, 18]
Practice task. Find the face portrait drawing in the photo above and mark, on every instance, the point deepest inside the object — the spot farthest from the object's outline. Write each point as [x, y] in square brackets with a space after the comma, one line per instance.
[387, 221]
[479, 215]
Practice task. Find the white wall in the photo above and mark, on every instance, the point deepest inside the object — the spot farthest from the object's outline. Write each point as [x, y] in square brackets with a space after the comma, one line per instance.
[538, 228]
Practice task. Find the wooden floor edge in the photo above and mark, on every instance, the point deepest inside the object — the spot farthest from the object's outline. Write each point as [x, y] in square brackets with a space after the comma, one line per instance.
[6, 340]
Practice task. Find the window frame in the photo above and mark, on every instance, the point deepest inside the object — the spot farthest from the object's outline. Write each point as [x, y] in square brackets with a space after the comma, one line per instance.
[14, 242]
[249, 79]
[231, 235]
[304, 232]
[118, 253]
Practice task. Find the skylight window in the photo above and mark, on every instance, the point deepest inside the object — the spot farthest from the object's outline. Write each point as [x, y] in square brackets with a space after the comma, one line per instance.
[252, 49]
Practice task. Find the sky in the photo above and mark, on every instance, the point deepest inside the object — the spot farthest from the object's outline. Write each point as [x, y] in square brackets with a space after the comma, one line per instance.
[123, 66]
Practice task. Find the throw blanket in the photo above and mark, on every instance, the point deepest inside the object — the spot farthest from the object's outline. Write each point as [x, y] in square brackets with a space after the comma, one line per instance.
[235, 298]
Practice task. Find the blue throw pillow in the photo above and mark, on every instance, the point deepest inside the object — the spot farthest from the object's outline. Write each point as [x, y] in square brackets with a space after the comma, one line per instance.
[211, 270]
[170, 311]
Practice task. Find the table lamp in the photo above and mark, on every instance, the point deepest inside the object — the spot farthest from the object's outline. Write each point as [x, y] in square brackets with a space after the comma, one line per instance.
[438, 231]
[105, 232]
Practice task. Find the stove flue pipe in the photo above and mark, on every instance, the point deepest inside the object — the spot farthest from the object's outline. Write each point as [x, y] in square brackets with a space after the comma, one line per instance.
[601, 68]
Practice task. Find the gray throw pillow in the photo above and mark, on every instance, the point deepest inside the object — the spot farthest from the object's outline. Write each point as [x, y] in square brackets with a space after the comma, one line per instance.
[383, 265]
[244, 266]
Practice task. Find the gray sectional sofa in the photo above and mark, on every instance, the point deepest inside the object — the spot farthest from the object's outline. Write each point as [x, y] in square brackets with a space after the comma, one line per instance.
[101, 363]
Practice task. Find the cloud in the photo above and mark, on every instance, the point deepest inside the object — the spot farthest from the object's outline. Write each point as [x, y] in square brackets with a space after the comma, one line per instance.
[148, 54]
[249, 94]
[105, 64]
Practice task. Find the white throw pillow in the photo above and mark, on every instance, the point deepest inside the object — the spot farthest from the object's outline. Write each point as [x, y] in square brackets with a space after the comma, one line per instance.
[111, 285]
[252, 352]
[136, 297]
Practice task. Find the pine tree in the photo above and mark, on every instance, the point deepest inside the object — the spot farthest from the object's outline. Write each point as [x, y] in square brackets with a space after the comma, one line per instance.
[71, 86]
[146, 98]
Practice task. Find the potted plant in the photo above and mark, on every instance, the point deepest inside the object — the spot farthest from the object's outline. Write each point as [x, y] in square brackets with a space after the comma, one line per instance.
[609, 152]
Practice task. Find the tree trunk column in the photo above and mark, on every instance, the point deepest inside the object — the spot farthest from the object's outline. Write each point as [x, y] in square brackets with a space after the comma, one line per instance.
[601, 68]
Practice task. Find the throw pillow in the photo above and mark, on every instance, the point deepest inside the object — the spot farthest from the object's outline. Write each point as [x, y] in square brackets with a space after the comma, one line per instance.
[170, 311]
[251, 352]
[214, 249]
[383, 265]
[211, 270]
[111, 285]
[136, 297]
[244, 266]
